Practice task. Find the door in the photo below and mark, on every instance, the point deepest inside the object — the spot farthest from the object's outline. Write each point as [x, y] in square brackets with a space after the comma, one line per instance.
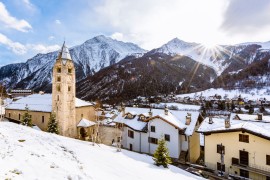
[130, 147]
[244, 173]
[244, 158]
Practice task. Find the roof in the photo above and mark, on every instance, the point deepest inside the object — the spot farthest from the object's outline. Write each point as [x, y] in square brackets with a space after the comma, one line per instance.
[175, 118]
[64, 53]
[257, 127]
[40, 102]
[85, 123]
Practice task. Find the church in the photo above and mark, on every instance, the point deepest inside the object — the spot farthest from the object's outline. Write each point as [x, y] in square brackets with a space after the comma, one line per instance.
[73, 114]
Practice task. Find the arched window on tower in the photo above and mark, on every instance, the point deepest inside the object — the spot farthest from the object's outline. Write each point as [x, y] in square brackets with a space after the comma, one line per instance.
[58, 69]
[59, 79]
[69, 88]
[58, 88]
[69, 70]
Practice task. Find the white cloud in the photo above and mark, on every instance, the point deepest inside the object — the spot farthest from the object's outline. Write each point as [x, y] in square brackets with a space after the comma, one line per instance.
[16, 47]
[154, 22]
[40, 48]
[21, 49]
[28, 4]
[11, 22]
[118, 36]
[51, 38]
[57, 21]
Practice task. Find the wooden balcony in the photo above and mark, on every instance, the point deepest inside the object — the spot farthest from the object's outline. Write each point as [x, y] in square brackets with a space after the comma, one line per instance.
[263, 170]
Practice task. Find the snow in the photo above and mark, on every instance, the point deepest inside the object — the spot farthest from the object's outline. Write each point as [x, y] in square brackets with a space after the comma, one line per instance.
[248, 122]
[40, 102]
[81, 103]
[177, 118]
[251, 94]
[85, 123]
[29, 154]
[178, 105]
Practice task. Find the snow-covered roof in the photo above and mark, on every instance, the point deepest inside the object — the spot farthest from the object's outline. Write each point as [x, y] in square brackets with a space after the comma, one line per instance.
[175, 118]
[81, 103]
[258, 127]
[85, 123]
[40, 102]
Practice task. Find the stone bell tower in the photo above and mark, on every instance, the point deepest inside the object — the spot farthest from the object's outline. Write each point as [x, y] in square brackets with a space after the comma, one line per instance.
[63, 93]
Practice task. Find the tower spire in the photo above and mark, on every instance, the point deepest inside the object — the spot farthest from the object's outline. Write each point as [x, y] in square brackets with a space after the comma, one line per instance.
[64, 53]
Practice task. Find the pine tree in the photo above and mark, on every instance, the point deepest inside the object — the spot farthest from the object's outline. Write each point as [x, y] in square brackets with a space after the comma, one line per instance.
[52, 125]
[161, 155]
[27, 121]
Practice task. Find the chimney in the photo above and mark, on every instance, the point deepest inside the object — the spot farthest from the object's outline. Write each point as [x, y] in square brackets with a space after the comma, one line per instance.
[150, 113]
[188, 119]
[166, 110]
[210, 120]
[260, 116]
[227, 122]
[123, 109]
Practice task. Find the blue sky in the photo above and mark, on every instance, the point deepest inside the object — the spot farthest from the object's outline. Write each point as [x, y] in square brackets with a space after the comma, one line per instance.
[28, 27]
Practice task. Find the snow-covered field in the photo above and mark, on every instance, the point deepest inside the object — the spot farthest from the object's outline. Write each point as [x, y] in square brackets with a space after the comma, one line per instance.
[252, 94]
[26, 153]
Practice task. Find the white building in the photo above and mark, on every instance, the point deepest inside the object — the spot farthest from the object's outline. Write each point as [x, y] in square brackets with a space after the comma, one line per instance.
[143, 128]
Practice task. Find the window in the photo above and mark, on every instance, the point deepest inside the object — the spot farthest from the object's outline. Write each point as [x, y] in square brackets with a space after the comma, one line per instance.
[59, 69]
[220, 168]
[42, 119]
[58, 78]
[69, 70]
[244, 173]
[167, 137]
[8, 114]
[19, 116]
[243, 138]
[118, 139]
[69, 88]
[152, 140]
[58, 88]
[81, 115]
[130, 134]
[220, 149]
[57, 97]
[153, 129]
[267, 159]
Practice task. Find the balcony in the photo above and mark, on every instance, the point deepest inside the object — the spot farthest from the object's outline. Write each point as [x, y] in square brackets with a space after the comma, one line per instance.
[251, 167]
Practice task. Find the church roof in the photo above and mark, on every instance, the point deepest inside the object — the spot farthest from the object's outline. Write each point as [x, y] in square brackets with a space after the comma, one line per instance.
[40, 102]
[64, 53]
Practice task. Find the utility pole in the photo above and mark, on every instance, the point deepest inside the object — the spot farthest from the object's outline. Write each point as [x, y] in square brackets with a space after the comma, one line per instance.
[121, 130]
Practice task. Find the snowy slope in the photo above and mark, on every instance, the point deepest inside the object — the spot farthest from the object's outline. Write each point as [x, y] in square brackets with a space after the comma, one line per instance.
[251, 94]
[89, 57]
[30, 154]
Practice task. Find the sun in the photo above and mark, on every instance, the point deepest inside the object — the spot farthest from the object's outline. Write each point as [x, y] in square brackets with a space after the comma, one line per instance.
[209, 45]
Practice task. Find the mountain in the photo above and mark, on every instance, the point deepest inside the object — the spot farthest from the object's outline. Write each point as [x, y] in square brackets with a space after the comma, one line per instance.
[256, 75]
[149, 75]
[89, 57]
[27, 153]
[221, 57]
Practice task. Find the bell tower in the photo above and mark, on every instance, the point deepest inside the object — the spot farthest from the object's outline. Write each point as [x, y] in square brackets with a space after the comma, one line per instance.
[63, 93]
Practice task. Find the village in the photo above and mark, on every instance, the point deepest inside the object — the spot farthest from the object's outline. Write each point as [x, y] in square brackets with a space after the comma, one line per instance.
[213, 137]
